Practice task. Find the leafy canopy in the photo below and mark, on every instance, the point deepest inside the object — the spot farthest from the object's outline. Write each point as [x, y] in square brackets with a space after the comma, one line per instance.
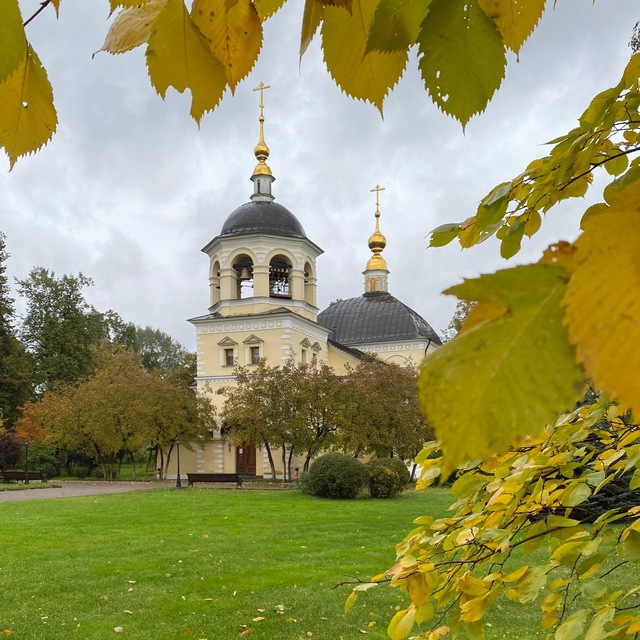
[207, 46]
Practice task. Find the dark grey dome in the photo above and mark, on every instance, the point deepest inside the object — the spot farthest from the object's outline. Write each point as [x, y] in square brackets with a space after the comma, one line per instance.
[375, 317]
[265, 218]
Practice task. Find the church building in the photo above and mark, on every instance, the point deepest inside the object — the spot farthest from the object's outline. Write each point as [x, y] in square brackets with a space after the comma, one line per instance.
[262, 297]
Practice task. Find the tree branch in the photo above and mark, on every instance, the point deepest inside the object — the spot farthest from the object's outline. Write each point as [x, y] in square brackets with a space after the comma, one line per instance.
[43, 6]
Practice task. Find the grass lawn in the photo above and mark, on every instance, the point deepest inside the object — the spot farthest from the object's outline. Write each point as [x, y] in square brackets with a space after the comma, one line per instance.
[204, 563]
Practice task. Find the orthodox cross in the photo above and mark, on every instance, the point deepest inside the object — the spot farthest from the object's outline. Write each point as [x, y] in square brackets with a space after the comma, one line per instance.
[378, 189]
[261, 87]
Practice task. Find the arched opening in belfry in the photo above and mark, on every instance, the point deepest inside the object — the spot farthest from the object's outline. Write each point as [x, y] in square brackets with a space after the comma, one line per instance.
[214, 283]
[279, 275]
[309, 284]
[243, 266]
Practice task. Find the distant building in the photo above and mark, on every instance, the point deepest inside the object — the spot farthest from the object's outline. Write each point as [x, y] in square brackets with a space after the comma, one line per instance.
[263, 291]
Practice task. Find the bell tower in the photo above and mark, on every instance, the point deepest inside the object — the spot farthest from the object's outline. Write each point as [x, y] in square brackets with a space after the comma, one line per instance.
[262, 260]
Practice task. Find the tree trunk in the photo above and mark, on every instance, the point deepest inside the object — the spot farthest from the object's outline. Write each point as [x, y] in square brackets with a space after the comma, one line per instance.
[270, 456]
[166, 466]
[146, 469]
[289, 464]
[133, 467]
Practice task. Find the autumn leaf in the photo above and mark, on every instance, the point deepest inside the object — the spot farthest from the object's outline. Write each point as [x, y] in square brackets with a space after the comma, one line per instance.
[132, 27]
[366, 76]
[516, 19]
[13, 42]
[266, 8]
[234, 35]
[117, 4]
[178, 56]
[396, 24]
[462, 57]
[602, 302]
[28, 118]
[311, 19]
[475, 390]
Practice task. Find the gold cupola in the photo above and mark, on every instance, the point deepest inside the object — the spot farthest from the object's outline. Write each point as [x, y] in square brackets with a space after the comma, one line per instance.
[262, 176]
[376, 272]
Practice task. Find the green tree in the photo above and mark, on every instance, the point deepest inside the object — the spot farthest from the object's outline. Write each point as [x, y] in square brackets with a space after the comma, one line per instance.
[60, 327]
[381, 414]
[158, 350]
[15, 363]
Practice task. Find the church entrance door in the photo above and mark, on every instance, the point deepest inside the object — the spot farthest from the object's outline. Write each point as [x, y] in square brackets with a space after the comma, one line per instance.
[246, 460]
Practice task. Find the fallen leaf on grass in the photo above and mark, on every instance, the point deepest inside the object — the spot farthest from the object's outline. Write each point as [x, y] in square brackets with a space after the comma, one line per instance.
[258, 619]
[246, 632]
[128, 612]
[6, 632]
[118, 629]
[132, 581]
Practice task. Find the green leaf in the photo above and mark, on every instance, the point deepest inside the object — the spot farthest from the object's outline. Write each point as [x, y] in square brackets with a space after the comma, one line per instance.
[444, 234]
[630, 546]
[616, 164]
[572, 627]
[462, 57]
[13, 41]
[366, 76]
[513, 239]
[508, 376]
[396, 24]
[575, 495]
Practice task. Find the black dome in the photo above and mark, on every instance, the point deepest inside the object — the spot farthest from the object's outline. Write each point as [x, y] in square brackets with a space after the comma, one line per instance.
[265, 218]
[375, 317]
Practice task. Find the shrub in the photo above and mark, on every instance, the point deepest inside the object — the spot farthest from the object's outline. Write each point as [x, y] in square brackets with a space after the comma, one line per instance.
[336, 475]
[10, 449]
[303, 483]
[44, 458]
[387, 477]
[81, 472]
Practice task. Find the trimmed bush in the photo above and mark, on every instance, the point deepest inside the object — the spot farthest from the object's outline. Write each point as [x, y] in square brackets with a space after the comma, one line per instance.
[336, 475]
[387, 477]
[43, 457]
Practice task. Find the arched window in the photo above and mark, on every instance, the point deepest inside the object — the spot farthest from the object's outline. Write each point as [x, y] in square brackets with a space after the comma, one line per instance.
[279, 273]
[243, 266]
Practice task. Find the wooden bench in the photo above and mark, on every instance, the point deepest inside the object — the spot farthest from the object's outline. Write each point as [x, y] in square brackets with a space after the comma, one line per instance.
[215, 477]
[11, 474]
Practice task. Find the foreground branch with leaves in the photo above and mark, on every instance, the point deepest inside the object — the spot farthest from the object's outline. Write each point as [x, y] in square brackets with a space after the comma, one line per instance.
[573, 491]
[207, 46]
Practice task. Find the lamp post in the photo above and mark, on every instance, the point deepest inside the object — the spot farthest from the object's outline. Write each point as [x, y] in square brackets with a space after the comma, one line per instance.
[26, 462]
[178, 483]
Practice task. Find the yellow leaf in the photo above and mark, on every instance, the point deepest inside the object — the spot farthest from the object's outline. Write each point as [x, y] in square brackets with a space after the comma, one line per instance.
[507, 377]
[13, 41]
[515, 19]
[366, 76]
[266, 8]
[132, 27]
[602, 301]
[178, 56]
[56, 6]
[28, 118]
[117, 4]
[234, 35]
[402, 623]
[418, 589]
[313, 12]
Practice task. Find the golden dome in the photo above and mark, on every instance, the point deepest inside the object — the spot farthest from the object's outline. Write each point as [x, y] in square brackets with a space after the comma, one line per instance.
[377, 242]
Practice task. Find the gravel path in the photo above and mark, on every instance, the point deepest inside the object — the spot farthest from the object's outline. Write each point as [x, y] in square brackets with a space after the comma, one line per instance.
[72, 489]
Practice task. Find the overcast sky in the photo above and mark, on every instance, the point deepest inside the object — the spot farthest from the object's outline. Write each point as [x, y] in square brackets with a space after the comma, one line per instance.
[129, 190]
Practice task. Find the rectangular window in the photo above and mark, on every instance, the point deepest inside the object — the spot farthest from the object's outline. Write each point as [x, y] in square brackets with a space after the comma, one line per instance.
[303, 356]
[228, 358]
[314, 360]
[255, 355]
